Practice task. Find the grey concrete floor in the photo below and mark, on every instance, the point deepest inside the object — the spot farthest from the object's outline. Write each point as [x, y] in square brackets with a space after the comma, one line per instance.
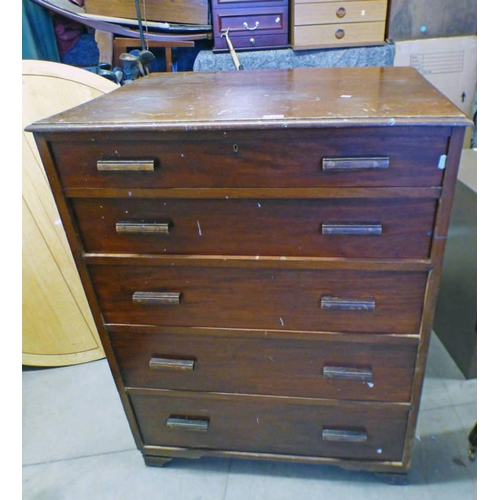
[77, 445]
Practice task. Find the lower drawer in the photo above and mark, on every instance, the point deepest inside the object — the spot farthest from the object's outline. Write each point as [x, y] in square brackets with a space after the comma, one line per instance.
[272, 425]
[338, 34]
[260, 297]
[347, 368]
[248, 41]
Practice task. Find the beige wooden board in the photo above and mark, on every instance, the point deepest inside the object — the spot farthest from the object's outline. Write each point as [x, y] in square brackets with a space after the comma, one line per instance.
[58, 328]
[324, 35]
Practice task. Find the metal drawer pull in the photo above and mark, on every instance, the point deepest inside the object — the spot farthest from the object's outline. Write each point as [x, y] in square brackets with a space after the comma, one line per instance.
[348, 164]
[143, 227]
[245, 25]
[351, 228]
[344, 304]
[125, 165]
[347, 373]
[187, 424]
[344, 436]
[157, 298]
[171, 364]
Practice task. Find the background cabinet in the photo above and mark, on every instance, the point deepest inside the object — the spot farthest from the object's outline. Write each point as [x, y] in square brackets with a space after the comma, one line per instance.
[252, 24]
[323, 23]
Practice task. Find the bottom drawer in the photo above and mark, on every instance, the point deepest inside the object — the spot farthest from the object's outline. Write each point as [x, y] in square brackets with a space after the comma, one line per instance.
[272, 425]
[252, 41]
[338, 34]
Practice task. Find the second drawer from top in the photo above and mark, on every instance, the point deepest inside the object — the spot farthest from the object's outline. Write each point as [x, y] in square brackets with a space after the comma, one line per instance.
[347, 228]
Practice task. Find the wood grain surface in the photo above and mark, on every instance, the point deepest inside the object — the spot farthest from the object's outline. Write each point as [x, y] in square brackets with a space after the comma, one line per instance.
[261, 297]
[272, 425]
[258, 227]
[266, 99]
[268, 364]
[289, 158]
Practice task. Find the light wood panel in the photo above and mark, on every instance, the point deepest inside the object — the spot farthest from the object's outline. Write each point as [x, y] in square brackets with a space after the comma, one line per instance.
[330, 35]
[58, 328]
[340, 12]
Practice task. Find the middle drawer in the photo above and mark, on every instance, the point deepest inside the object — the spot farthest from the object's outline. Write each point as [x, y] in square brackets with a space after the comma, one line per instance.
[258, 297]
[350, 228]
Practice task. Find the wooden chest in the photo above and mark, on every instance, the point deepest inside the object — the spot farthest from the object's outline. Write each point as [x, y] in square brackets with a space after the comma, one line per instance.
[333, 23]
[261, 251]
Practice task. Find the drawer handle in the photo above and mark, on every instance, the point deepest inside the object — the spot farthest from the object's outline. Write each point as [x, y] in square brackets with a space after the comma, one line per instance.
[341, 12]
[171, 364]
[125, 165]
[344, 436]
[157, 298]
[142, 227]
[339, 34]
[351, 228]
[245, 25]
[344, 304]
[347, 373]
[187, 424]
[348, 164]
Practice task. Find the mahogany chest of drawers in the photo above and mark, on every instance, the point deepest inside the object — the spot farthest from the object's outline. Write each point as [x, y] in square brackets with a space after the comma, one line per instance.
[252, 24]
[261, 251]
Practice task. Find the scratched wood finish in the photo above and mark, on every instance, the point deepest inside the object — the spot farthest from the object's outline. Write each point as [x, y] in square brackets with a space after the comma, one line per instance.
[259, 227]
[268, 365]
[281, 162]
[300, 424]
[283, 299]
[311, 97]
[269, 149]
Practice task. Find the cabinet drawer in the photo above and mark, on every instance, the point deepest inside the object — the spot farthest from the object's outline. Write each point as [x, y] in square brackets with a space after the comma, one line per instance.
[340, 12]
[372, 157]
[245, 423]
[243, 4]
[255, 41]
[253, 21]
[257, 297]
[344, 368]
[323, 35]
[351, 228]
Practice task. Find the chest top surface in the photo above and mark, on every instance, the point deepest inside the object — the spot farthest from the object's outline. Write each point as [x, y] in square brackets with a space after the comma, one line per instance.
[260, 99]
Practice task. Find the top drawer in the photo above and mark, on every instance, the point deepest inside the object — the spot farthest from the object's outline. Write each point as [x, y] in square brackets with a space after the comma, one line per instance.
[254, 20]
[340, 12]
[399, 156]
